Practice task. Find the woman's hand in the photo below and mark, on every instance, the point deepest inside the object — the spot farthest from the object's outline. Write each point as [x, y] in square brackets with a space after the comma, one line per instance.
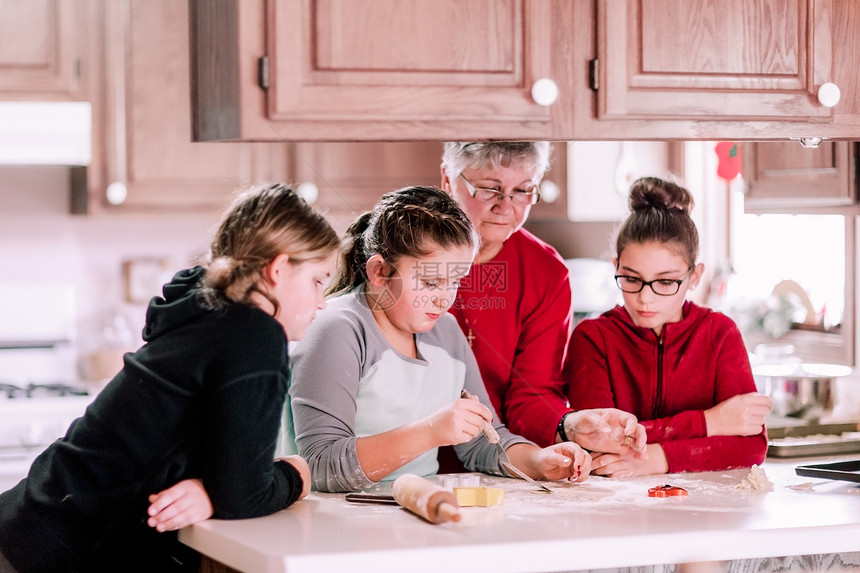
[181, 505]
[606, 430]
[621, 465]
[304, 470]
[740, 415]
[458, 422]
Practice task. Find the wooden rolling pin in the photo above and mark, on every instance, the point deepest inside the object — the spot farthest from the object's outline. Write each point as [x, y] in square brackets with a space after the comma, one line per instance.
[426, 499]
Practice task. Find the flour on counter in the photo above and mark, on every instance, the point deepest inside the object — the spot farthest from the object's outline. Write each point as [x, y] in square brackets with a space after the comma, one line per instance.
[756, 480]
[805, 486]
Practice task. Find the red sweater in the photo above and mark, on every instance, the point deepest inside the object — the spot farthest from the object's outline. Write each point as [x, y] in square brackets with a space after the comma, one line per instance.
[668, 385]
[518, 308]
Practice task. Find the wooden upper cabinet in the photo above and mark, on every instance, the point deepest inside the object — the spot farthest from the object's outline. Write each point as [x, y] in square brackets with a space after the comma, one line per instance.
[352, 70]
[714, 59]
[42, 43]
[554, 188]
[147, 146]
[785, 177]
[351, 177]
[376, 69]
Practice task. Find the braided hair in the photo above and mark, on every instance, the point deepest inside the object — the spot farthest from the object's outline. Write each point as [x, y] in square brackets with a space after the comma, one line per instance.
[409, 222]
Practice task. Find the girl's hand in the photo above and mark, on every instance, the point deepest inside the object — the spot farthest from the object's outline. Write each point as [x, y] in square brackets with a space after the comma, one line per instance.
[458, 422]
[181, 505]
[621, 465]
[304, 470]
[606, 430]
[559, 461]
[563, 461]
[740, 415]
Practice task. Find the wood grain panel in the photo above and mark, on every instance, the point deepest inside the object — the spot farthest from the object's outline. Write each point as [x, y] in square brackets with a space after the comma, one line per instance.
[29, 33]
[39, 46]
[351, 177]
[714, 59]
[786, 176]
[710, 44]
[468, 60]
[148, 143]
[158, 103]
[391, 35]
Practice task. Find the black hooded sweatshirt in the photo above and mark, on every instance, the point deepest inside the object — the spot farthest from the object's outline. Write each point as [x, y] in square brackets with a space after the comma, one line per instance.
[202, 398]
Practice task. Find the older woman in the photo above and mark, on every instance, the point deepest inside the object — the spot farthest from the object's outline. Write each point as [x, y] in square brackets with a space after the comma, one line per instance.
[515, 304]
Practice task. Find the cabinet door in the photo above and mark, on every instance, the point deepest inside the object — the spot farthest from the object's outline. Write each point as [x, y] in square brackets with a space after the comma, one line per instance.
[41, 43]
[714, 59]
[554, 188]
[147, 142]
[784, 175]
[351, 177]
[377, 69]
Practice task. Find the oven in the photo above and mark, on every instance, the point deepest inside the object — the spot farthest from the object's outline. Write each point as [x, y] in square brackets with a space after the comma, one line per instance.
[31, 418]
[29, 425]
[40, 390]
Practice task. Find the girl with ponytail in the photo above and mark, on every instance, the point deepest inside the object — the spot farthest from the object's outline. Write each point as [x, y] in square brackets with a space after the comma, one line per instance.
[377, 382]
[188, 428]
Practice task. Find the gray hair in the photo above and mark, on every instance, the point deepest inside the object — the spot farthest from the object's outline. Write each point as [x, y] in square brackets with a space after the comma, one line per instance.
[460, 155]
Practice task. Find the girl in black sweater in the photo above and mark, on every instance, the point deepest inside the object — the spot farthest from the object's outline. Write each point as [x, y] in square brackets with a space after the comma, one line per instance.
[187, 429]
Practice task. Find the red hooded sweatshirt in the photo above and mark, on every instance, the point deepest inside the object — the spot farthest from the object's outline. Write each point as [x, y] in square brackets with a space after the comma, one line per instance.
[669, 383]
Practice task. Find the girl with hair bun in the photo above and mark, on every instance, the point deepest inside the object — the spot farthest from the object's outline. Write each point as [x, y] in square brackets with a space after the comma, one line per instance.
[682, 369]
[188, 428]
[378, 380]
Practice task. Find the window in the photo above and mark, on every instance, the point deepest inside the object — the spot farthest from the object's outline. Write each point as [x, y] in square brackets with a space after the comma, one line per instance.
[792, 282]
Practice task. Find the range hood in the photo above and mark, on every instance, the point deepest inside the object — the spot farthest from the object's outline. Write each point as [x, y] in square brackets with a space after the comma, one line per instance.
[45, 133]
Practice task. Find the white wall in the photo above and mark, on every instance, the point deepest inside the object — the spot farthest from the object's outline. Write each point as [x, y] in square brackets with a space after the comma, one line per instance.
[41, 243]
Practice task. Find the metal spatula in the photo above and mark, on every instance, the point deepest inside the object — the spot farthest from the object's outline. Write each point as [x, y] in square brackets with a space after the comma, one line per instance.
[493, 437]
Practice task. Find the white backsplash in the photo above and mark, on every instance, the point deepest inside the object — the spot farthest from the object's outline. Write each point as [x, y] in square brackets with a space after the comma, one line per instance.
[42, 244]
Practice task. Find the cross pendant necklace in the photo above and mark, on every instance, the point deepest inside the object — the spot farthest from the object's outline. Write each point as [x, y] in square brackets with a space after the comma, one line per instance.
[470, 337]
[470, 333]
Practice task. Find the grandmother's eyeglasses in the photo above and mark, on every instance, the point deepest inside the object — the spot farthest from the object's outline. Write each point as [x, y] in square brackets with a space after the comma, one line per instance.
[527, 196]
[662, 287]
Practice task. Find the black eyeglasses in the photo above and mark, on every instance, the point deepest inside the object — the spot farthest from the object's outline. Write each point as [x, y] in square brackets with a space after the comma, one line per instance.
[529, 196]
[662, 287]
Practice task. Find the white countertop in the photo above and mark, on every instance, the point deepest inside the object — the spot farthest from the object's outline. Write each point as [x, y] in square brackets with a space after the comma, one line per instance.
[600, 523]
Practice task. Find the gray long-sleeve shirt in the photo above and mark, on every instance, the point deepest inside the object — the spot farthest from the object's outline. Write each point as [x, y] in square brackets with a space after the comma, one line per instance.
[348, 382]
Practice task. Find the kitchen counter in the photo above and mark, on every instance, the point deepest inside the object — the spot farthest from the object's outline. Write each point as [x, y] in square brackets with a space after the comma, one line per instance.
[601, 523]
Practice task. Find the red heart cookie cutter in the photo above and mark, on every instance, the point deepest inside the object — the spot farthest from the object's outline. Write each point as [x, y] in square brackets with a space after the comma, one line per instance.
[666, 491]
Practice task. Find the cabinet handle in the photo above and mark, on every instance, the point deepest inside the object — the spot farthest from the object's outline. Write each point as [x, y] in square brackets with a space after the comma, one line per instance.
[829, 94]
[809, 142]
[549, 191]
[116, 193]
[544, 92]
[308, 191]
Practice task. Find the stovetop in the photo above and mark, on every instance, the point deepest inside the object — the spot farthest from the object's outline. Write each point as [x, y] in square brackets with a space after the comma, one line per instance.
[33, 415]
[11, 391]
[35, 402]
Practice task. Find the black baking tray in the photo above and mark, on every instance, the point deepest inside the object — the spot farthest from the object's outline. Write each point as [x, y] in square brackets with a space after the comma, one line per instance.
[812, 440]
[847, 471]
